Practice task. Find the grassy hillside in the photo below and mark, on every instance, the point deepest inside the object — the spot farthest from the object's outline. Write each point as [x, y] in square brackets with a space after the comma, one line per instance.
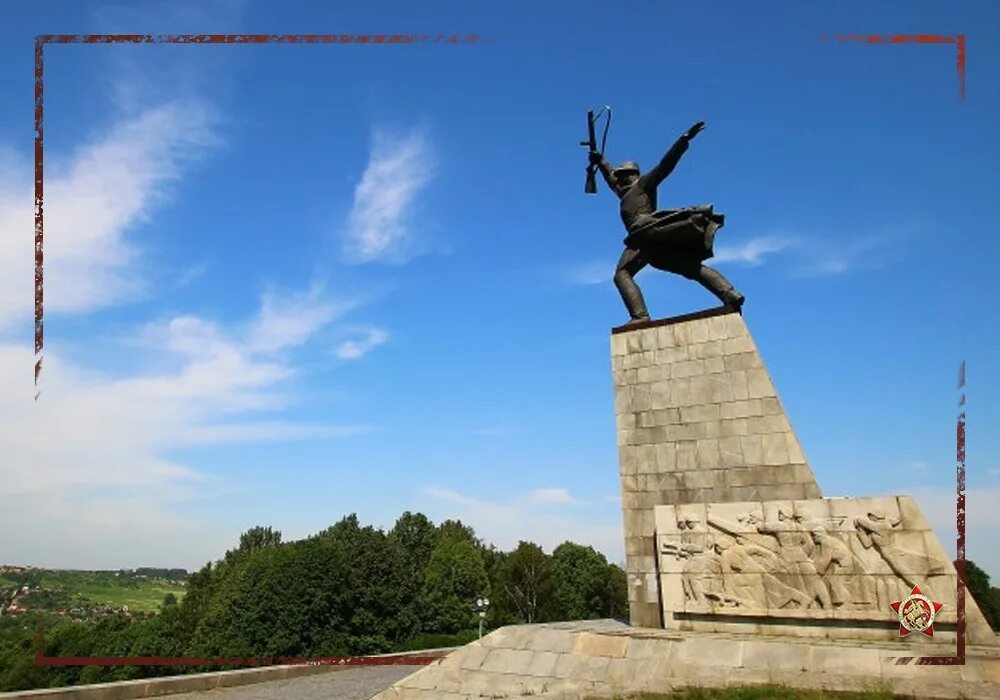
[53, 589]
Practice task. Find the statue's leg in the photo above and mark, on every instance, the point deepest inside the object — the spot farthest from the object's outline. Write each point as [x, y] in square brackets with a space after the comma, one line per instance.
[629, 265]
[714, 282]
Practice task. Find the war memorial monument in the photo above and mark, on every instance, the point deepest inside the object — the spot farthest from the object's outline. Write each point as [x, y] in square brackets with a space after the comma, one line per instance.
[739, 570]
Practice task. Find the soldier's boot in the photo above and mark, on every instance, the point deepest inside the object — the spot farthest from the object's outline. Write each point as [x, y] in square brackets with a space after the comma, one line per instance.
[632, 297]
[721, 288]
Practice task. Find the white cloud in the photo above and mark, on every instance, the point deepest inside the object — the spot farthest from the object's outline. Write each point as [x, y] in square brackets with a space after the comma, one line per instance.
[288, 321]
[554, 496]
[448, 495]
[831, 257]
[753, 251]
[190, 275]
[590, 273]
[505, 523]
[92, 200]
[354, 349]
[379, 227]
[264, 431]
[91, 434]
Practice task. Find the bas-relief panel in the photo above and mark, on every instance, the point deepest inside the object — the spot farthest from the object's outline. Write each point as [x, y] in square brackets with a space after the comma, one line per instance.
[839, 558]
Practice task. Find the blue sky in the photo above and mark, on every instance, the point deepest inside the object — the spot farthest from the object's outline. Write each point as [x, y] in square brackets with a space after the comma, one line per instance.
[285, 283]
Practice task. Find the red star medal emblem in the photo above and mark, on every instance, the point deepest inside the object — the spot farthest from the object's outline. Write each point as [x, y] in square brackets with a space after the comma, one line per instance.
[916, 613]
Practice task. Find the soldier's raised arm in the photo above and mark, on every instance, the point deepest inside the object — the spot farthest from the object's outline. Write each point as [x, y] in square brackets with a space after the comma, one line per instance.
[661, 170]
[607, 172]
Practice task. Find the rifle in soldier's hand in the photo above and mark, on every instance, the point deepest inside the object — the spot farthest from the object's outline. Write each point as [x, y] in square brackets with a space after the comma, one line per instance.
[594, 156]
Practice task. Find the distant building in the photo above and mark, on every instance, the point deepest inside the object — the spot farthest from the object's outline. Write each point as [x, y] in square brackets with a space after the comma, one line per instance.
[14, 569]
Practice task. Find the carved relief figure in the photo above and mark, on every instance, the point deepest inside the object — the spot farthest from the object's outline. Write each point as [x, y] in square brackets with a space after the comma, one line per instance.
[733, 560]
[700, 570]
[878, 532]
[831, 557]
[757, 557]
[795, 562]
[795, 543]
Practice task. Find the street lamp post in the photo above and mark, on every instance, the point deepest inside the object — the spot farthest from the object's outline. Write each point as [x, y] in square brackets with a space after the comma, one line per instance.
[481, 605]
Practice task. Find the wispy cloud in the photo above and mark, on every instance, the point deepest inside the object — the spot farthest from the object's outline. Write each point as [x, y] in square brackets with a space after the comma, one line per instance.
[379, 226]
[588, 273]
[190, 275]
[535, 516]
[202, 383]
[845, 254]
[754, 251]
[448, 495]
[554, 496]
[817, 256]
[92, 201]
[265, 431]
[357, 348]
[289, 320]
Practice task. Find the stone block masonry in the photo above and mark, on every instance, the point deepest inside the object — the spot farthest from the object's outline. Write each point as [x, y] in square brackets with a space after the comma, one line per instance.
[699, 421]
[604, 659]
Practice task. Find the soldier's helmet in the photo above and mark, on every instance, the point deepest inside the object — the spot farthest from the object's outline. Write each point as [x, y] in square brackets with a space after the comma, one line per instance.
[629, 166]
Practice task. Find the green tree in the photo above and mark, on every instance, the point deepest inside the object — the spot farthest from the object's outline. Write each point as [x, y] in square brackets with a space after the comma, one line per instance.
[201, 587]
[259, 537]
[454, 578]
[413, 538]
[376, 584]
[528, 581]
[616, 593]
[455, 529]
[502, 610]
[580, 582]
[169, 600]
[288, 600]
[977, 583]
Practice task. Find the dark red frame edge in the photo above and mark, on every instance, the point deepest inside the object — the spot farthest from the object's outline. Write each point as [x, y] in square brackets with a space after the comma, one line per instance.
[958, 40]
[41, 40]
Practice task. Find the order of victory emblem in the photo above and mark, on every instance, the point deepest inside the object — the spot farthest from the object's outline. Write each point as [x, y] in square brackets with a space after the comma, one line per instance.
[916, 613]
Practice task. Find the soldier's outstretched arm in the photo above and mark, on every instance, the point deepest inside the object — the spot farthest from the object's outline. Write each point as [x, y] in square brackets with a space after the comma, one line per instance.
[598, 160]
[661, 170]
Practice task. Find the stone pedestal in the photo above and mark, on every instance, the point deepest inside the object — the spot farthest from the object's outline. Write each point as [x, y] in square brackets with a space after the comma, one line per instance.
[699, 421]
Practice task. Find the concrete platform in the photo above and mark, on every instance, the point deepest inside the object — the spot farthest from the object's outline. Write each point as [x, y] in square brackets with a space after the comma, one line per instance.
[608, 659]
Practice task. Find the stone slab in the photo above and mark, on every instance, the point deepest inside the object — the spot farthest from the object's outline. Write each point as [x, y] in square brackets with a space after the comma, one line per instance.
[608, 659]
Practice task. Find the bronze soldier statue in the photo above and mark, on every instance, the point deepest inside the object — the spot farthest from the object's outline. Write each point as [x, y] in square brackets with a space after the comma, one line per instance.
[673, 240]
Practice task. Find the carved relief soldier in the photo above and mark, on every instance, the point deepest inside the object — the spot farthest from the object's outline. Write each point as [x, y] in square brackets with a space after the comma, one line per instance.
[730, 590]
[749, 556]
[794, 542]
[673, 240]
[700, 567]
[878, 532]
[832, 557]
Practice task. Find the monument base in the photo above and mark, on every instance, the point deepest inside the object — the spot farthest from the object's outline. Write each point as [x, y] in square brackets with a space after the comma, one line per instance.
[604, 658]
